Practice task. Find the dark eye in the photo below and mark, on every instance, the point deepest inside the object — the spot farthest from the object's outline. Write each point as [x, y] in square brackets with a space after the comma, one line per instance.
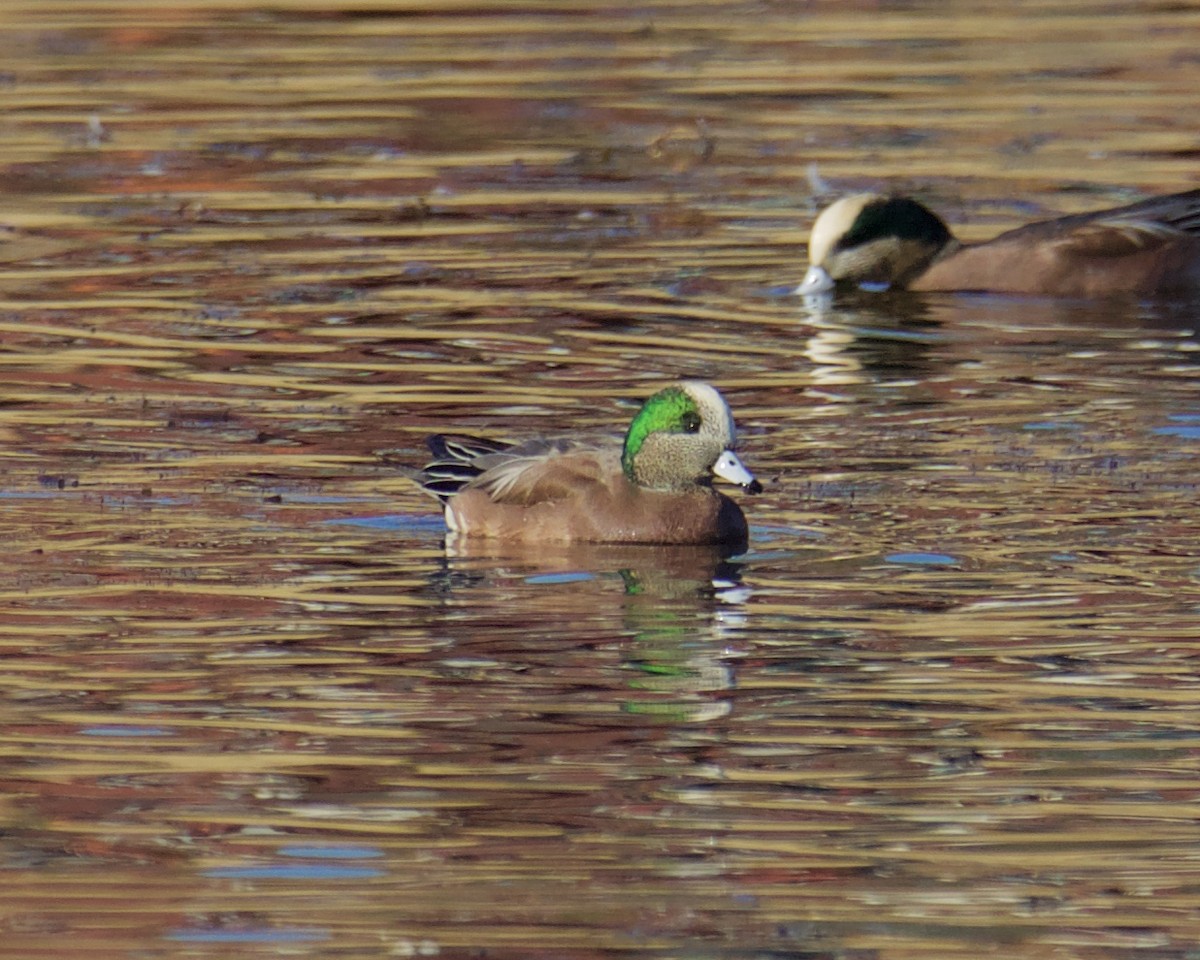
[690, 422]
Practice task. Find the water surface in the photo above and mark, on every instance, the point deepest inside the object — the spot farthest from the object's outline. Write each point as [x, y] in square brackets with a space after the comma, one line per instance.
[253, 706]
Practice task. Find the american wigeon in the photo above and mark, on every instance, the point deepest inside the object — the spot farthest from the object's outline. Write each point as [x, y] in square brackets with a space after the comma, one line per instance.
[1149, 249]
[655, 488]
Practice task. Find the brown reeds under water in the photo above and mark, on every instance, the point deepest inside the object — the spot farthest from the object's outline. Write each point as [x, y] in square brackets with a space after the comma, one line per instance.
[253, 706]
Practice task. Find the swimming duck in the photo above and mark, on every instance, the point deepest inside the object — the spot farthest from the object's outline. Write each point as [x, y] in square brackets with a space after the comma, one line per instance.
[656, 487]
[1149, 249]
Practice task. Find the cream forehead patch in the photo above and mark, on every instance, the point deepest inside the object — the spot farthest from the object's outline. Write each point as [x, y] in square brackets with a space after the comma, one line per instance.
[834, 223]
[712, 406]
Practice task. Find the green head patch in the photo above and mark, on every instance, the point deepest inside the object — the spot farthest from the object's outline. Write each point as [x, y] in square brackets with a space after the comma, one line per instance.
[895, 217]
[669, 411]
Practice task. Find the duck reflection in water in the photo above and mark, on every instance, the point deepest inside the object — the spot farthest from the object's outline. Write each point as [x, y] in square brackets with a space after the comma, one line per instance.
[648, 628]
[653, 571]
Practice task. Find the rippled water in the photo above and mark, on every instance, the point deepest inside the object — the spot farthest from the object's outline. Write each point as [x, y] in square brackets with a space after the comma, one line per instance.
[251, 706]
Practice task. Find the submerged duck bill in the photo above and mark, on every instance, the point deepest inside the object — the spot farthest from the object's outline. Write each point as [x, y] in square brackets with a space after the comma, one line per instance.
[816, 280]
[729, 467]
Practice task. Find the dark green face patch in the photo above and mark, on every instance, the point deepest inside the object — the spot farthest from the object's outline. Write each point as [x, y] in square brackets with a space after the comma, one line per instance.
[668, 411]
[894, 217]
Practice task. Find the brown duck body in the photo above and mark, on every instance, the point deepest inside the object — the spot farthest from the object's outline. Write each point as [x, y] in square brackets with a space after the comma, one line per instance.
[1147, 249]
[581, 494]
[655, 488]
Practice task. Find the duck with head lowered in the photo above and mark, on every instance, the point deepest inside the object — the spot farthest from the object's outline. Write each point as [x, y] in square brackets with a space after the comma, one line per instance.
[1146, 249]
[655, 487]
